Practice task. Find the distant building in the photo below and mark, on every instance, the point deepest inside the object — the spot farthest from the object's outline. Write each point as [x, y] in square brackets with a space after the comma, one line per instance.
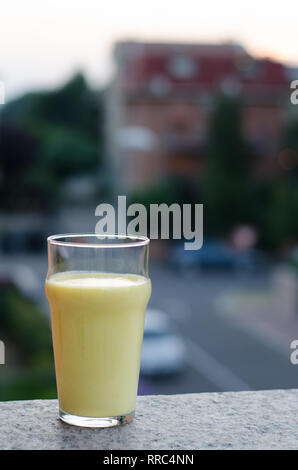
[160, 99]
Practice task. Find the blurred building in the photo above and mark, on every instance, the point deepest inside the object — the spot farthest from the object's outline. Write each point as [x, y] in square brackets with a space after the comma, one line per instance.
[161, 98]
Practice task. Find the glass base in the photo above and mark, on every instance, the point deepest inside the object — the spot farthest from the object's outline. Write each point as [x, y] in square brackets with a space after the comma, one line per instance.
[89, 422]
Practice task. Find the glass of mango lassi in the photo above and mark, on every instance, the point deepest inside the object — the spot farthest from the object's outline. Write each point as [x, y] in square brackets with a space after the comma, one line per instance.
[98, 289]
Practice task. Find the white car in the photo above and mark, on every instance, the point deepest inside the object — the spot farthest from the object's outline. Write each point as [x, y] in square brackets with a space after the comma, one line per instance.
[163, 351]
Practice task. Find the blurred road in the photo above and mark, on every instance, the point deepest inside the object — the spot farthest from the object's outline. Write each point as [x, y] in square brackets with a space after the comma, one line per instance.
[221, 355]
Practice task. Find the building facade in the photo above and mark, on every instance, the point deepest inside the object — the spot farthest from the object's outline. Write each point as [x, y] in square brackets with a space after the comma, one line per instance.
[160, 101]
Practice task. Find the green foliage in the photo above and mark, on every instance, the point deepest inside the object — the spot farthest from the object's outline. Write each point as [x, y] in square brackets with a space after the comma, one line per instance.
[23, 321]
[73, 105]
[67, 152]
[281, 222]
[168, 191]
[164, 192]
[227, 189]
[291, 134]
[63, 130]
[28, 385]
[27, 335]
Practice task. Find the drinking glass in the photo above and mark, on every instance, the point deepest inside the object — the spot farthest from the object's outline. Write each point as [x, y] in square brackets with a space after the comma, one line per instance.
[98, 289]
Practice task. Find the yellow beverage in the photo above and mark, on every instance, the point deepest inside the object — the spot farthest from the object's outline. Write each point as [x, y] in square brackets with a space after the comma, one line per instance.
[97, 326]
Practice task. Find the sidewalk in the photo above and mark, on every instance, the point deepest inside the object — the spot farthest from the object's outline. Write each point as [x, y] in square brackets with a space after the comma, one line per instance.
[271, 315]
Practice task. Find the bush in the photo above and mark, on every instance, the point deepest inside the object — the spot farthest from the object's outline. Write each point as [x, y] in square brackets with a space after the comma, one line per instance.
[27, 334]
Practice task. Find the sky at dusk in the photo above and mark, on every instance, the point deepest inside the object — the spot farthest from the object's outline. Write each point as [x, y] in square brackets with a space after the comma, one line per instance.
[43, 42]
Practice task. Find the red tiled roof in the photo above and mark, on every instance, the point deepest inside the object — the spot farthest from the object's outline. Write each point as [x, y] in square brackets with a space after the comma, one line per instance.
[214, 63]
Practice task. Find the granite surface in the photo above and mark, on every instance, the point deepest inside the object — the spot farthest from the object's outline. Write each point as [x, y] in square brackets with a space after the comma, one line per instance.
[233, 420]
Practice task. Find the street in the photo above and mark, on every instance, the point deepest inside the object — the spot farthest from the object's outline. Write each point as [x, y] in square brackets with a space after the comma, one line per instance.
[221, 355]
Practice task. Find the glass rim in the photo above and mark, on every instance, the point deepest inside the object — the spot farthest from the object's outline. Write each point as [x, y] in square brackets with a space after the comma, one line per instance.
[135, 241]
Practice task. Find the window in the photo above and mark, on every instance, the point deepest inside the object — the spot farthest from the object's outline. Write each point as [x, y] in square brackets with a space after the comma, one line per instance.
[183, 67]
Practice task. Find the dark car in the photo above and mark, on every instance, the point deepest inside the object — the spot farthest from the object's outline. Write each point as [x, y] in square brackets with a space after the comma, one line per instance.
[215, 254]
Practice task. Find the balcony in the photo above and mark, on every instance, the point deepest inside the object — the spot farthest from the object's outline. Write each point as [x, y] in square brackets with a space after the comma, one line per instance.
[231, 420]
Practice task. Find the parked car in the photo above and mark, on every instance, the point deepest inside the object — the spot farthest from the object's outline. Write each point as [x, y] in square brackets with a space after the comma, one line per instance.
[163, 350]
[216, 254]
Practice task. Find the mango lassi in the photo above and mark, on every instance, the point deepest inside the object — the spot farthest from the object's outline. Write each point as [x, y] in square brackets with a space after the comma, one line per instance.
[97, 327]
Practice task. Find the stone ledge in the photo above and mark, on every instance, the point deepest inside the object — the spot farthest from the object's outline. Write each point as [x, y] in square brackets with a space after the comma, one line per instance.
[232, 420]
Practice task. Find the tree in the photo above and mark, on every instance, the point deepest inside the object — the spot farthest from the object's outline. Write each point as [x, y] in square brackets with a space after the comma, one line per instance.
[227, 189]
[58, 133]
